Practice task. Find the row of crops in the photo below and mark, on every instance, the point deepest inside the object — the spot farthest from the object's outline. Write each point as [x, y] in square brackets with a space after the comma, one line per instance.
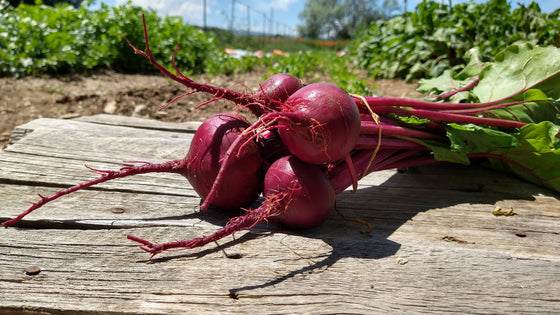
[37, 39]
[436, 37]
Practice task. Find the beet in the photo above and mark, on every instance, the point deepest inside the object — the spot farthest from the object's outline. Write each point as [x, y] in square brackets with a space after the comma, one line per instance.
[242, 181]
[323, 123]
[302, 190]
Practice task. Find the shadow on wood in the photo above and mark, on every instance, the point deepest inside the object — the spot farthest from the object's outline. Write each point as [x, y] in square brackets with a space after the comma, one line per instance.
[348, 240]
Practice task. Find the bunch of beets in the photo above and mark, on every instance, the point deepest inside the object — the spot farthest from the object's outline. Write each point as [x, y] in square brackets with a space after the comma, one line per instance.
[307, 144]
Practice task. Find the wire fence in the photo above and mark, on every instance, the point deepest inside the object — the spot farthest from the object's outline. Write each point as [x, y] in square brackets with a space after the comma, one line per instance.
[239, 17]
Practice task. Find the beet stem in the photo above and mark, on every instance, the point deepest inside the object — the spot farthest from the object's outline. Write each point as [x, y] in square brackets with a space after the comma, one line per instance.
[244, 222]
[352, 172]
[480, 110]
[450, 118]
[376, 102]
[370, 142]
[234, 96]
[368, 127]
[166, 167]
[449, 94]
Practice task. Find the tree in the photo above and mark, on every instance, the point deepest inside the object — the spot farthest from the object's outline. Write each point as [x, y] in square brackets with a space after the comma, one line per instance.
[342, 18]
[75, 3]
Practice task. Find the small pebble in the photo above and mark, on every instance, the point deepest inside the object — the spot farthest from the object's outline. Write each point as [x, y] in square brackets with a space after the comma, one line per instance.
[520, 233]
[117, 210]
[70, 115]
[402, 261]
[110, 107]
[141, 110]
[234, 256]
[32, 270]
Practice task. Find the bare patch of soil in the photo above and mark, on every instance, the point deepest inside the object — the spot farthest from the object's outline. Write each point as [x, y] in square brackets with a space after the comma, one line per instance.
[70, 96]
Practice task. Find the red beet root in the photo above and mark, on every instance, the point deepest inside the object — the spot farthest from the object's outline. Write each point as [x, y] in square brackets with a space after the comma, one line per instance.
[323, 123]
[241, 182]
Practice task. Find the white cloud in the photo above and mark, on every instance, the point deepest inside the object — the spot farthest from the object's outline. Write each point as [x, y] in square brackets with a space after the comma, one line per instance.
[282, 5]
[218, 12]
[192, 11]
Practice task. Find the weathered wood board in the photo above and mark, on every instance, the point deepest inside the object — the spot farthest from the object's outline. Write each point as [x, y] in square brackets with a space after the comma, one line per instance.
[435, 245]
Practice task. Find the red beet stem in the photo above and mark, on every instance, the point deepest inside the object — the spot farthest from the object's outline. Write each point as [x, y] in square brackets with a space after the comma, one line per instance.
[338, 174]
[240, 223]
[372, 128]
[370, 142]
[449, 94]
[450, 118]
[167, 167]
[218, 92]
[376, 102]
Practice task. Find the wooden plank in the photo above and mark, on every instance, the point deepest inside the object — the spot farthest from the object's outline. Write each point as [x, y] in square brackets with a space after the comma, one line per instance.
[103, 208]
[137, 122]
[55, 153]
[438, 219]
[101, 129]
[277, 273]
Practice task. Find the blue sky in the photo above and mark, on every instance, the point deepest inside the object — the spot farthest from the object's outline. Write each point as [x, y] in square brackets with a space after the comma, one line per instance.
[284, 12]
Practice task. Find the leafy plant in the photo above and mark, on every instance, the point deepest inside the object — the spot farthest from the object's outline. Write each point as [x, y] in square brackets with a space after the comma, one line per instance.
[519, 72]
[40, 39]
[435, 37]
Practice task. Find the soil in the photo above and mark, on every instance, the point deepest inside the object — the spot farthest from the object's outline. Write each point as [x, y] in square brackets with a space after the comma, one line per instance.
[70, 96]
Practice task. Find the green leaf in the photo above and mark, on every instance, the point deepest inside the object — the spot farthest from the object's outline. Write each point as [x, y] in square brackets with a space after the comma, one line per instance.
[536, 158]
[445, 82]
[468, 139]
[444, 153]
[519, 68]
[473, 67]
[530, 112]
[450, 81]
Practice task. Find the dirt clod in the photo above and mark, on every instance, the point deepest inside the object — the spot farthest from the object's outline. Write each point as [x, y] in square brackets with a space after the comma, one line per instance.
[32, 270]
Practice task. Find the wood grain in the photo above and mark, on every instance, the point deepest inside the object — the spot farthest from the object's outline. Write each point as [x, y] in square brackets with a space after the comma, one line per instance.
[435, 245]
